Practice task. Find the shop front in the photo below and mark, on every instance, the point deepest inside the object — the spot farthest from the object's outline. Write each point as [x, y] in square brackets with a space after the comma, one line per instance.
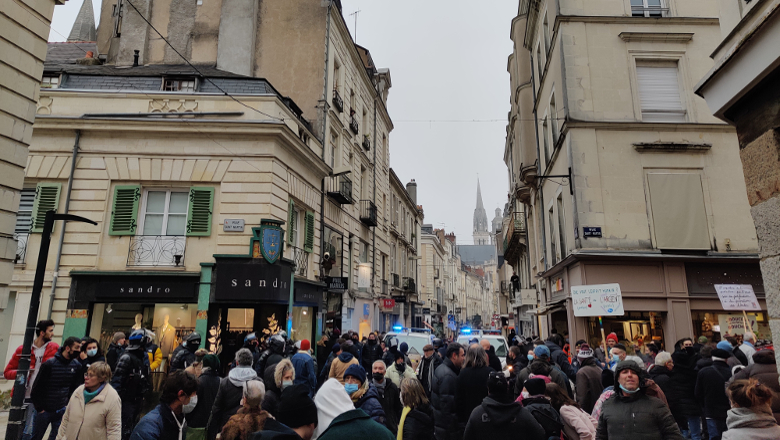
[334, 301]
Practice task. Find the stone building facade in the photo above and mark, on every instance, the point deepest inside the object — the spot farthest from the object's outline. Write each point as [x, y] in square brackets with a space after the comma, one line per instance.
[618, 172]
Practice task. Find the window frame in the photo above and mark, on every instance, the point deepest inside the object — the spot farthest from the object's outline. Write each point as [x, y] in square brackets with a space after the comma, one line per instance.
[683, 83]
[178, 81]
[645, 10]
[142, 211]
[49, 85]
[25, 192]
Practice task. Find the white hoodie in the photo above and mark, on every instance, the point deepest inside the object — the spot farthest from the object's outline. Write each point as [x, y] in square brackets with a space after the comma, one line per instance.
[332, 401]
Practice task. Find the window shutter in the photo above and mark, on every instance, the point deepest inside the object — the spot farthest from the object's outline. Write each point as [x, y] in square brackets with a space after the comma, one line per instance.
[308, 245]
[291, 214]
[47, 197]
[24, 214]
[124, 213]
[659, 94]
[200, 211]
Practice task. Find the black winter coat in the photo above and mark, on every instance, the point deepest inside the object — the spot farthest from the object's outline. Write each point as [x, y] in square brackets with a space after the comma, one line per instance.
[418, 424]
[682, 387]
[493, 361]
[764, 369]
[561, 360]
[371, 353]
[425, 372]
[471, 390]
[56, 380]
[702, 363]
[448, 426]
[183, 359]
[226, 404]
[112, 355]
[131, 377]
[390, 398]
[740, 355]
[662, 377]
[711, 390]
[208, 385]
[636, 417]
[496, 420]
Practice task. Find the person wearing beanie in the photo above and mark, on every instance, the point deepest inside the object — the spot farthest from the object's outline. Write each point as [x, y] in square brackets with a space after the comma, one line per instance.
[541, 365]
[428, 364]
[338, 419]
[343, 361]
[588, 383]
[538, 404]
[399, 370]
[404, 349]
[598, 352]
[700, 342]
[297, 419]
[499, 417]
[710, 392]
[208, 385]
[618, 417]
[364, 394]
[305, 370]
[115, 350]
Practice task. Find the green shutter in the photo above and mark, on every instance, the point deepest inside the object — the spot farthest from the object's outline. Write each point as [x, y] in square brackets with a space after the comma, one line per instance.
[47, 198]
[308, 246]
[200, 211]
[124, 213]
[291, 214]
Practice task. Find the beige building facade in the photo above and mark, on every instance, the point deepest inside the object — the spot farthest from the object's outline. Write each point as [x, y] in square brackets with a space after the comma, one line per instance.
[619, 173]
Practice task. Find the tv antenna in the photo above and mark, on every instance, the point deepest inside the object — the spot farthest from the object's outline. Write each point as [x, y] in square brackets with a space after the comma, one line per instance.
[356, 17]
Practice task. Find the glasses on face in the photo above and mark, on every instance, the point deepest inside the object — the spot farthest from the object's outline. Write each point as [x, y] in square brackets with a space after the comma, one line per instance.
[90, 375]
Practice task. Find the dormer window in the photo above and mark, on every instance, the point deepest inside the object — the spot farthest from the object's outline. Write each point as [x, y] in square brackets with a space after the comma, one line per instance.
[50, 82]
[179, 84]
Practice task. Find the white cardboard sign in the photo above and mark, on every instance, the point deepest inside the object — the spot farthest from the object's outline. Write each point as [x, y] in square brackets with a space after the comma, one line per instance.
[737, 297]
[597, 300]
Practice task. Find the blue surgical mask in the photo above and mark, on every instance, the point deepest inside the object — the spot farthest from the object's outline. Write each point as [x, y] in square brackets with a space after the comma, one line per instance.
[530, 357]
[92, 352]
[286, 383]
[351, 388]
[627, 391]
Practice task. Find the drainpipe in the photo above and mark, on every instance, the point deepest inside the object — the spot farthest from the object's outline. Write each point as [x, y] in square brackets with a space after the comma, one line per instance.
[55, 275]
[373, 234]
[325, 83]
[539, 161]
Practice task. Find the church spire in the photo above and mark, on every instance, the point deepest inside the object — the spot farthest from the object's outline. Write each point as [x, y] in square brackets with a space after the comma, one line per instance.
[481, 234]
[84, 26]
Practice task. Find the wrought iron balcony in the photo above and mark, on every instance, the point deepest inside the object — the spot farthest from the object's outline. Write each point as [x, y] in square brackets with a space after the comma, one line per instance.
[513, 238]
[339, 188]
[21, 247]
[156, 250]
[368, 213]
[409, 285]
[301, 259]
[366, 143]
[396, 280]
[353, 124]
[337, 101]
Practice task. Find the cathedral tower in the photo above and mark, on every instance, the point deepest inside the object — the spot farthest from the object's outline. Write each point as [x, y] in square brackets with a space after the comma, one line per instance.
[481, 233]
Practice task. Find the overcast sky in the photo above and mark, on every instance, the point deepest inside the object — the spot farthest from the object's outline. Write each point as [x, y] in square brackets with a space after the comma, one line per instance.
[447, 60]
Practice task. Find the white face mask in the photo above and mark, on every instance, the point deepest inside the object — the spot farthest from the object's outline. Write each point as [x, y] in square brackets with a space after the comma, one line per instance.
[188, 408]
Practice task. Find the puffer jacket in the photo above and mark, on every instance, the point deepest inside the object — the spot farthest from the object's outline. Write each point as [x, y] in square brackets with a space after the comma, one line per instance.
[445, 378]
[764, 369]
[305, 371]
[13, 365]
[636, 417]
[228, 399]
[367, 398]
[100, 419]
[561, 360]
[588, 383]
[418, 424]
[158, 424]
[397, 376]
[494, 420]
[131, 377]
[751, 424]
[711, 390]
[339, 366]
[56, 380]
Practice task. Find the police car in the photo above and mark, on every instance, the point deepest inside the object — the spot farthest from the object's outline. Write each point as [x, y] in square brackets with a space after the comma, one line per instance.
[496, 339]
[415, 338]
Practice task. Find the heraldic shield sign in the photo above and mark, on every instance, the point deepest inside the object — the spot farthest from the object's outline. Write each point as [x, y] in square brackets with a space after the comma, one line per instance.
[268, 241]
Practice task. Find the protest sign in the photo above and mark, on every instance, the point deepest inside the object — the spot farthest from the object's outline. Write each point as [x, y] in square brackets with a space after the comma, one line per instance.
[597, 300]
[737, 297]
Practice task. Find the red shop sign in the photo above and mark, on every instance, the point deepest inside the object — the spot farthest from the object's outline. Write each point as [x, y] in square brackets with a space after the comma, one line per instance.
[388, 303]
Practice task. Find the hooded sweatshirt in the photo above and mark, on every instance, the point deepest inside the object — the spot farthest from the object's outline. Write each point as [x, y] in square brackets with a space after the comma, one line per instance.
[494, 419]
[228, 399]
[332, 400]
[340, 365]
[755, 423]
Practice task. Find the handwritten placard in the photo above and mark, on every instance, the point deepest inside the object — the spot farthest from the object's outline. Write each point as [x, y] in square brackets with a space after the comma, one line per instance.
[734, 324]
[737, 297]
[597, 300]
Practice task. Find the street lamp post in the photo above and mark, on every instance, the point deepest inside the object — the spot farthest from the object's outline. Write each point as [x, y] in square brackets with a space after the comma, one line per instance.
[16, 415]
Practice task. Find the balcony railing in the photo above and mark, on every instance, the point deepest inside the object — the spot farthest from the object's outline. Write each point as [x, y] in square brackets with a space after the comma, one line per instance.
[156, 250]
[339, 188]
[385, 288]
[368, 213]
[301, 259]
[409, 285]
[396, 280]
[649, 11]
[353, 124]
[366, 143]
[513, 237]
[337, 101]
[21, 247]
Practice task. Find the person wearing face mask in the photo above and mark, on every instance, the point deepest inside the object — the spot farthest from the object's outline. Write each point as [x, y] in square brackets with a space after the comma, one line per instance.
[186, 356]
[388, 395]
[283, 377]
[305, 371]
[372, 352]
[631, 413]
[90, 353]
[297, 418]
[250, 417]
[94, 411]
[230, 392]
[57, 379]
[398, 370]
[430, 361]
[131, 380]
[208, 385]
[364, 394]
[540, 365]
[167, 421]
[710, 393]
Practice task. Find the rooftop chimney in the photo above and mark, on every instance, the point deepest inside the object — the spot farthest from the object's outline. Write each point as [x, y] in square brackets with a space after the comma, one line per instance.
[135, 57]
[411, 188]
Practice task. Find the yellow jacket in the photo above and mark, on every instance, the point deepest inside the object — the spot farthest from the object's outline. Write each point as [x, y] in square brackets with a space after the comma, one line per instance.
[155, 357]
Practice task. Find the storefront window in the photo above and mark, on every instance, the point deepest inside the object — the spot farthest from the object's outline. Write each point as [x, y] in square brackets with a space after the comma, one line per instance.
[332, 265]
[717, 324]
[302, 327]
[634, 330]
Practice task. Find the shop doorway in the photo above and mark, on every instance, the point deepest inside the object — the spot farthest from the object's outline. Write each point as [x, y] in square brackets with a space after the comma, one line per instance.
[635, 330]
[231, 324]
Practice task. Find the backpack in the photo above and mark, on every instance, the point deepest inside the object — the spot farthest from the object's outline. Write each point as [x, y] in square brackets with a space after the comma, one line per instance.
[549, 418]
[139, 376]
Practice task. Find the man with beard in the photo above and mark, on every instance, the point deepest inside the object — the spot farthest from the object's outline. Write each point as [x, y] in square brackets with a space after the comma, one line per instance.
[371, 352]
[428, 365]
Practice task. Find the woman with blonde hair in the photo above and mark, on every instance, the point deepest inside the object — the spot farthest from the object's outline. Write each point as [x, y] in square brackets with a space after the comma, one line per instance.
[94, 411]
[750, 416]
[284, 375]
[417, 416]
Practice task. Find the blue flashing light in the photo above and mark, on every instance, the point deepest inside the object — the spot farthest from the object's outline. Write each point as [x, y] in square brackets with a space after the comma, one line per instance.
[397, 328]
[465, 331]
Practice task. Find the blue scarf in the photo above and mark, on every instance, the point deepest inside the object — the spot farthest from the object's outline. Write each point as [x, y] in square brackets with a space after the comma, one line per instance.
[89, 396]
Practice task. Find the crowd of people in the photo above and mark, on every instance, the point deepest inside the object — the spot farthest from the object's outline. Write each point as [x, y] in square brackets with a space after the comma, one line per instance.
[361, 388]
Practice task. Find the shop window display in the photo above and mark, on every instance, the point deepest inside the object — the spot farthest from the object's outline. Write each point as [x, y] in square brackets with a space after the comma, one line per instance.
[634, 330]
[715, 325]
[302, 324]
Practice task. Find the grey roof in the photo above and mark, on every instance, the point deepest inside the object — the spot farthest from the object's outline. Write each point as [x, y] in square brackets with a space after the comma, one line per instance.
[476, 254]
[84, 27]
[68, 53]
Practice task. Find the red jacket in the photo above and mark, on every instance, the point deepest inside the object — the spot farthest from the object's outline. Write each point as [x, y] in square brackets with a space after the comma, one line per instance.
[13, 364]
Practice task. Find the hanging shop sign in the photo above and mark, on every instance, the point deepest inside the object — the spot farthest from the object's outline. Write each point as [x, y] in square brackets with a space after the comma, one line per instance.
[597, 300]
[737, 297]
[528, 297]
[271, 241]
[388, 303]
[337, 284]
